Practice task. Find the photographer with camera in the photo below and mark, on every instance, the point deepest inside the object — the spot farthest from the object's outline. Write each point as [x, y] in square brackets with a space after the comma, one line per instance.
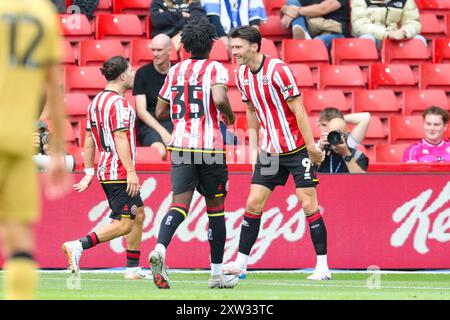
[40, 142]
[339, 157]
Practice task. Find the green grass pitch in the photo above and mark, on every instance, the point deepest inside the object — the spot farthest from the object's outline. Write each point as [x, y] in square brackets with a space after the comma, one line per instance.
[267, 286]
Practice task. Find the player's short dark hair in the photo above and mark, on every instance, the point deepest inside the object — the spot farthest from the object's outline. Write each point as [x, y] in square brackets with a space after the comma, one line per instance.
[198, 36]
[114, 67]
[330, 113]
[437, 111]
[248, 33]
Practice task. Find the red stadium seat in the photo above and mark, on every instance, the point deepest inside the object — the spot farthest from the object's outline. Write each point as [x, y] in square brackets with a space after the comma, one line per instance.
[361, 52]
[104, 6]
[69, 134]
[139, 7]
[76, 105]
[431, 27]
[441, 50]
[146, 155]
[404, 129]
[412, 52]
[268, 47]
[219, 53]
[391, 76]
[75, 27]
[315, 101]
[310, 52]
[148, 27]
[88, 80]
[123, 27]
[95, 52]
[273, 6]
[141, 52]
[379, 102]
[416, 101]
[435, 76]
[235, 97]
[435, 6]
[68, 57]
[345, 77]
[303, 76]
[390, 152]
[376, 132]
[271, 29]
[314, 123]
[232, 69]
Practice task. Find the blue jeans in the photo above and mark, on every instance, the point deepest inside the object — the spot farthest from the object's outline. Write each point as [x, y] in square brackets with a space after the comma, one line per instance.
[300, 20]
[327, 39]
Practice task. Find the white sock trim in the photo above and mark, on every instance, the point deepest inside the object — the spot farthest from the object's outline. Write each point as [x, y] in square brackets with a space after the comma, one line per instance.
[216, 269]
[159, 247]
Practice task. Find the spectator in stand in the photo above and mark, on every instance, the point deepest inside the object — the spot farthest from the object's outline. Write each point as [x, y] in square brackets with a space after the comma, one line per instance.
[386, 19]
[169, 17]
[318, 19]
[361, 120]
[87, 7]
[228, 14]
[60, 5]
[339, 157]
[148, 82]
[433, 147]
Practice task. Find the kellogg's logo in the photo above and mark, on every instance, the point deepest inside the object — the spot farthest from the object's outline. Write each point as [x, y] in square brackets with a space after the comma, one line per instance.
[413, 215]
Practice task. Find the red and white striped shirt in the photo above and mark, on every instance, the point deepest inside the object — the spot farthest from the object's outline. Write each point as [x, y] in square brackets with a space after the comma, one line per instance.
[109, 113]
[187, 89]
[268, 89]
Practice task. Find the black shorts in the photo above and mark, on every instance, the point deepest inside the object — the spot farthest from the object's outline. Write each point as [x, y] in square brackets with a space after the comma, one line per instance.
[148, 136]
[273, 170]
[208, 173]
[120, 202]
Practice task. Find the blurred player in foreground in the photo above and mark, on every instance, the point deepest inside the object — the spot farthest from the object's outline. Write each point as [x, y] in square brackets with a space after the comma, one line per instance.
[195, 94]
[30, 53]
[111, 129]
[274, 105]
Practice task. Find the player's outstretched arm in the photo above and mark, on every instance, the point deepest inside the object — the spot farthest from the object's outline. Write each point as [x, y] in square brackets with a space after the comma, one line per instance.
[253, 132]
[89, 156]
[148, 119]
[123, 150]
[315, 154]
[220, 98]
[162, 109]
[58, 179]
[361, 120]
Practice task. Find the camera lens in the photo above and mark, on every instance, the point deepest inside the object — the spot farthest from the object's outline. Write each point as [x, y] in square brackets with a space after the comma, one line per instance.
[334, 138]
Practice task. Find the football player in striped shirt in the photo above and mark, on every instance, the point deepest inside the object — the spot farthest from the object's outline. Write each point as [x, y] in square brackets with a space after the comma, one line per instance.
[195, 96]
[275, 108]
[111, 130]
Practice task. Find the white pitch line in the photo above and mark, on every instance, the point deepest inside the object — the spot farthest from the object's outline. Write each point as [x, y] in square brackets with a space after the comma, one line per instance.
[276, 284]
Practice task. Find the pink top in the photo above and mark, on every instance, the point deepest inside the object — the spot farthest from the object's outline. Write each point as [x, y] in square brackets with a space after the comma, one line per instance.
[424, 151]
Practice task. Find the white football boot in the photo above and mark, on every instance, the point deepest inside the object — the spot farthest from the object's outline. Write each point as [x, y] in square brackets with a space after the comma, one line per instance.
[73, 251]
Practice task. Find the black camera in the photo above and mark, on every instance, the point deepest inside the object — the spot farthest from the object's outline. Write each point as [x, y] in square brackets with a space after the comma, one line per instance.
[43, 136]
[335, 137]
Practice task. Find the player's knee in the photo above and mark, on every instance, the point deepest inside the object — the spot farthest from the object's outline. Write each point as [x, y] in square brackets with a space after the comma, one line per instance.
[125, 227]
[140, 216]
[308, 205]
[254, 203]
